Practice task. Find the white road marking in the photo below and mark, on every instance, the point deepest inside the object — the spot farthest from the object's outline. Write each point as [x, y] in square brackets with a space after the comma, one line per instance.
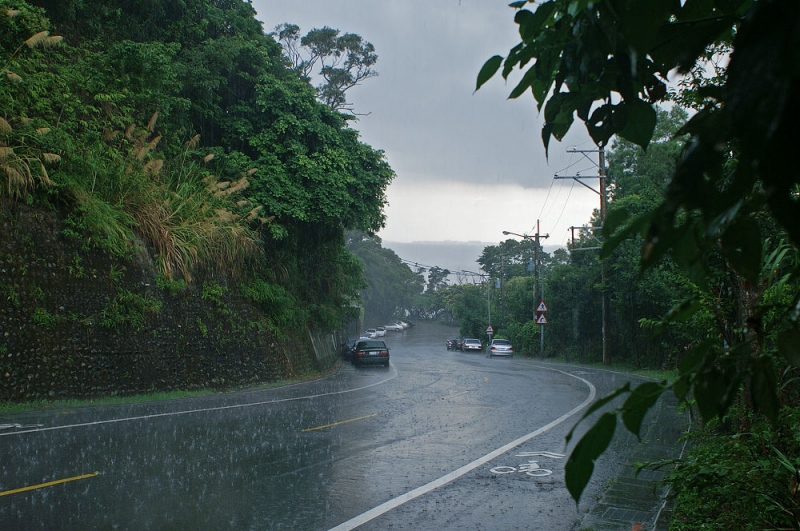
[455, 474]
[201, 410]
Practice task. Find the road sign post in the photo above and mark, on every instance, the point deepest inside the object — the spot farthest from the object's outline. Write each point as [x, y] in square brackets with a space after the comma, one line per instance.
[541, 320]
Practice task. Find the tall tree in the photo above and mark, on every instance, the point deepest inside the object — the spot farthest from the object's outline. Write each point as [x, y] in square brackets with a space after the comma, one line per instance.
[342, 61]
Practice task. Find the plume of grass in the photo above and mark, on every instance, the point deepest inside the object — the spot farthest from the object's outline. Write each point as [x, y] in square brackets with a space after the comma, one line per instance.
[21, 162]
[187, 232]
[194, 222]
[151, 125]
[42, 39]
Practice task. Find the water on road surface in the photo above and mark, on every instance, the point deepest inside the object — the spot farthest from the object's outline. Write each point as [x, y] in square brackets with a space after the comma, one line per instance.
[439, 440]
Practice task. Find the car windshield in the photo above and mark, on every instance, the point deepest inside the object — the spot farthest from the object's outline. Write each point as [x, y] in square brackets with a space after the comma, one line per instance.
[371, 344]
[504, 342]
[471, 341]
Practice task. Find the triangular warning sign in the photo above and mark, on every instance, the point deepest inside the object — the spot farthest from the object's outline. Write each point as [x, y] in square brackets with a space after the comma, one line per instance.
[542, 307]
[541, 319]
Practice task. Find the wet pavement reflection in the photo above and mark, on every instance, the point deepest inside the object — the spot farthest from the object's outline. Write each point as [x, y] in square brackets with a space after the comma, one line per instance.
[307, 456]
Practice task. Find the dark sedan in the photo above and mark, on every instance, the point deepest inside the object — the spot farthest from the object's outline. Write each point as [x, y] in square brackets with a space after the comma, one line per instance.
[371, 352]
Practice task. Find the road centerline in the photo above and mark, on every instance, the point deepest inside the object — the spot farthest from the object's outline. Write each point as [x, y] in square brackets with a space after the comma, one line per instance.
[48, 484]
[339, 423]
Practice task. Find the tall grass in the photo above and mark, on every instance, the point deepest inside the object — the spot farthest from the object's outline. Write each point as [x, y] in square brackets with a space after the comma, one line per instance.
[22, 159]
[186, 216]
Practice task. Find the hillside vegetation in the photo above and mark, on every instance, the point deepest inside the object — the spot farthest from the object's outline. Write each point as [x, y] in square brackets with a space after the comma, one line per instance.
[173, 140]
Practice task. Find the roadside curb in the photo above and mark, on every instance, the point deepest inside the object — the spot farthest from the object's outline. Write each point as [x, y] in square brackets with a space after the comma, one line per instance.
[639, 502]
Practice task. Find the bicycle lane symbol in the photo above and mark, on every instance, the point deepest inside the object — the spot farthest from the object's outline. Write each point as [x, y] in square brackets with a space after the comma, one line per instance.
[531, 468]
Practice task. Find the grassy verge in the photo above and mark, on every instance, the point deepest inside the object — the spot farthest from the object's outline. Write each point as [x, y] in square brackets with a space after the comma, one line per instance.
[7, 408]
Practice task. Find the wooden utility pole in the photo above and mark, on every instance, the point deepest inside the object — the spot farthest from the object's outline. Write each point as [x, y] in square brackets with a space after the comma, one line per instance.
[602, 192]
[541, 296]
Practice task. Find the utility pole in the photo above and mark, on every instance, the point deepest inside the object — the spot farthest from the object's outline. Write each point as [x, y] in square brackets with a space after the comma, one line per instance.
[541, 276]
[536, 271]
[602, 192]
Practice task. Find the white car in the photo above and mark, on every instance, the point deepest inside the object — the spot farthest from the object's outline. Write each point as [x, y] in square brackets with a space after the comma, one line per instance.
[380, 331]
[371, 333]
[499, 347]
[393, 326]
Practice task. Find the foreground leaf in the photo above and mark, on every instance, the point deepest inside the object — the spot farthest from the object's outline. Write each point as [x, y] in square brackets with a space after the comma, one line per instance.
[580, 465]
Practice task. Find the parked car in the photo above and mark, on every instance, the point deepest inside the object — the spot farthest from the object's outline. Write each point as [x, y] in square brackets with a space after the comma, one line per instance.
[347, 348]
[381, 331]
[393, 326]
[471, 344]
[500, 347]
[371, 333]
[453, 344]
[371, 352]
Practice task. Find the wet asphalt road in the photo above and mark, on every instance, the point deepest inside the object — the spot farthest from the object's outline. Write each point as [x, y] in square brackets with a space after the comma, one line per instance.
[440, 440]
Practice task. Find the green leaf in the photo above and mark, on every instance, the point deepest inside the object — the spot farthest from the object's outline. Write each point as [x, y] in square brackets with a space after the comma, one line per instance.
[524, 84]
[715, 390]
[518, 5]
[692, 361]
[681, 387]
[743, 246]
[640, 122]
[764, 387]
[489, 69]
[638, 404]
[530, 23]
[613, 236]
[599, 404]
[580, 465]
[789, 346]
[639, 21]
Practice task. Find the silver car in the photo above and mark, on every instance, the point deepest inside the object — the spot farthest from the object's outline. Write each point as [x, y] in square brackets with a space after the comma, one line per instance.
[471, 344]
[500, 347]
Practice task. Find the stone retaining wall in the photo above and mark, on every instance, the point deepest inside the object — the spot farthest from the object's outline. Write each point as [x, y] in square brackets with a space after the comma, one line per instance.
[76, 322]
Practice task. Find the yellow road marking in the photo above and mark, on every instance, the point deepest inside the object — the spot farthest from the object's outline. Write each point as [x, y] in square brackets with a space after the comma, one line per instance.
[455, 395]
[48, 484]
[340, 422]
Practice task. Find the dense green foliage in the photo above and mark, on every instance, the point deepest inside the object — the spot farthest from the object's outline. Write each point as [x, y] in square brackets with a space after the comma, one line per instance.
[391, 286]
[746, 481]
[573, 283]
[182, 127]
[727, 216]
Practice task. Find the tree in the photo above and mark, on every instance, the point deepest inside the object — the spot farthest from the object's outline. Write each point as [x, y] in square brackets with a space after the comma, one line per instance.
[607, 62]
[391, 286]
[343, 61]
[437, 278]
[232, 117]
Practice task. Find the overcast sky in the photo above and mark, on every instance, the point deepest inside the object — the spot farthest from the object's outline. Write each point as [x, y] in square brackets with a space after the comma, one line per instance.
[469, 164]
